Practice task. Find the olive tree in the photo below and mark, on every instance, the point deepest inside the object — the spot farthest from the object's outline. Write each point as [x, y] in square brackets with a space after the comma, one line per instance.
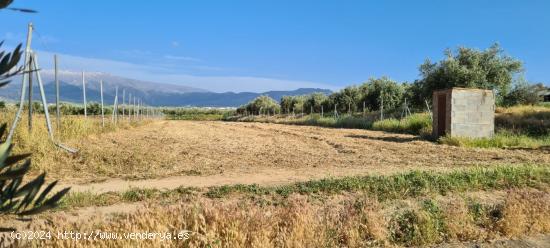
[377, 88]
[469, 68]
[314, 101]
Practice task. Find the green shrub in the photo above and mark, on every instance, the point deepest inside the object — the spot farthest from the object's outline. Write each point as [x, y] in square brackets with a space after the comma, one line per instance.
[501, 139]
[416, 228]
[413, 124]
[197, 114]
[261, 105]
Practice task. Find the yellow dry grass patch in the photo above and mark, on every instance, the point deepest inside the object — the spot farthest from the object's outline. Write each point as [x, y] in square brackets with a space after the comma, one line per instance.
[304, 221]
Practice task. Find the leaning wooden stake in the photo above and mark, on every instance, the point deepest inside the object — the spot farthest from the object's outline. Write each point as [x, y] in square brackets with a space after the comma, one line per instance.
[42, 95]
[26, 71]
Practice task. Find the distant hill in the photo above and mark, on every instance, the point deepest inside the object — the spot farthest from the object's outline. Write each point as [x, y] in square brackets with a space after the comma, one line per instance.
[156, 94]
[227, 99]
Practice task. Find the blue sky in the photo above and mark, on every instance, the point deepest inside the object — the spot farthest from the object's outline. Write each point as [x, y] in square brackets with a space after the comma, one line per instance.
[264, 45]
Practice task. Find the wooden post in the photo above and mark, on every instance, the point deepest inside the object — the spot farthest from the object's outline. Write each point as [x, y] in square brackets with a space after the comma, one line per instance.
[114, 115]
[428, 107]
[102, 107]
[130, 105]
[57, 107]
[116, 104]
[135, 110]
[26, 67]
[84, 95]
[123, 96]
[43, 96]
[30, 96]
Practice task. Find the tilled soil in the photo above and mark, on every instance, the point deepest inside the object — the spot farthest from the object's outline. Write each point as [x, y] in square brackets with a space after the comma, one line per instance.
[210, 153]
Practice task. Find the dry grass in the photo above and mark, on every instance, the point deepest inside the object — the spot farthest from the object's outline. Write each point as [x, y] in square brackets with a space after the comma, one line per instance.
[525, 212]
[191, 148]
[460, 222]
[305, 221]
[45, 155]
[528, 120]
[517, 126]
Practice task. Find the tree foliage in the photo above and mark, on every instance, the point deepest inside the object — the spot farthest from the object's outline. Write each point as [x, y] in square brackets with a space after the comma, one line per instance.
[465, 67]
[391, 91]
[293, 104]
[523, 93]
[260, 105]
[8, 64]
[17, 197]
[314, 102]
[469, 68]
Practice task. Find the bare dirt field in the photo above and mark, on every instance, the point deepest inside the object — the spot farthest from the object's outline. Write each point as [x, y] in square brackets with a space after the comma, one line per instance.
[169, 154]
[121, 164]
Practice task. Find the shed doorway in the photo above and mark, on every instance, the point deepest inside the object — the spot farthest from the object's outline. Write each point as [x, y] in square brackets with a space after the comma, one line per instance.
[441, 114]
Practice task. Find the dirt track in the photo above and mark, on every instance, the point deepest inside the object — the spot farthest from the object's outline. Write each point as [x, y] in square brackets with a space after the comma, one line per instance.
[195, 153]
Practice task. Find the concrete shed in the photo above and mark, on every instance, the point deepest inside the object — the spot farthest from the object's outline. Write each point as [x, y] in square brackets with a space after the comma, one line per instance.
[464, 112]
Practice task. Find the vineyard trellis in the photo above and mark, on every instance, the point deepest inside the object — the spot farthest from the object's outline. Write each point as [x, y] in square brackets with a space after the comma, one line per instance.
[32, 69]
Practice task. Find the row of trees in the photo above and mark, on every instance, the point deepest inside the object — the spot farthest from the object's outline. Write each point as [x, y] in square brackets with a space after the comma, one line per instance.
[366, 97]
[465, 67]
[92, 108]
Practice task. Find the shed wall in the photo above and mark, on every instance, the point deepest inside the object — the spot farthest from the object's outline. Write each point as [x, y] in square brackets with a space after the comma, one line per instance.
[472, 113]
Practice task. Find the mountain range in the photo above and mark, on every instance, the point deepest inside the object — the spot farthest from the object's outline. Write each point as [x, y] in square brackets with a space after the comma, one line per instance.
[152, 93]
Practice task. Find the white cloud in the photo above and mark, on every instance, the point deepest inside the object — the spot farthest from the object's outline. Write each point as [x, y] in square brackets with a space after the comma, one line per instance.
[173, 57]
[175, 44]
[166, 75]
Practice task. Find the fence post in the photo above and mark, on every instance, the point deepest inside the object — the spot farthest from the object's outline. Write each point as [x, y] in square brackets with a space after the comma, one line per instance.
[57, 110]
[134, 109]
[30, 94]
[43, 95]
[123, 96]
[84, 95]
[115, 106]
[130, 105]
[101, 96]
[26, 70]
